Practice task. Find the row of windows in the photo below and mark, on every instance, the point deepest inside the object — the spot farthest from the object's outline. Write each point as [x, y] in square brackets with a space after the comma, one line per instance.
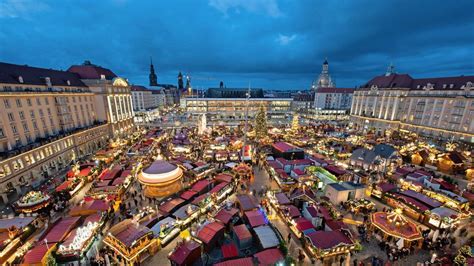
[29, 102]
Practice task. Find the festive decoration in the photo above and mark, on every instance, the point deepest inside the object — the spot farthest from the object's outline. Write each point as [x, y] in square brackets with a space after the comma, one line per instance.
[295, 124]
[202, 124]
[261, 129]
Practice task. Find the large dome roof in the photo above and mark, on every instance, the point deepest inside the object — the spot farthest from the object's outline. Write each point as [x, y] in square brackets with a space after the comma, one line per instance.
[160, 173]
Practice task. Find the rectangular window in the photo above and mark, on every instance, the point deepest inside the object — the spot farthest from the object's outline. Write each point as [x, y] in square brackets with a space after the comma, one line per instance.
[22, 115]
[46, 101]
[14, 130]
[38, 101]
[1, 133]
[18, 102]
[28, 102]
[41, 112]
[11, 118]
[32, 114]
[7, 103]
[35, 126]
[49, 111]
[25, 127]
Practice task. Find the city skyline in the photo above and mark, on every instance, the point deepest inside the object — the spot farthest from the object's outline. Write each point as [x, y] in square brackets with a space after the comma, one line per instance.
[273, 44]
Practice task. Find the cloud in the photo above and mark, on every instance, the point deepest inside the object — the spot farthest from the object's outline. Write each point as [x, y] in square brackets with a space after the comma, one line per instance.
[285, 39]
[20, 8]
[269, 7]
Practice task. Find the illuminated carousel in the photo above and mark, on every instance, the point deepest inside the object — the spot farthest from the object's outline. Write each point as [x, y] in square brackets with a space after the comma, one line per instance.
[161, 179]
[395, 225]
[243, 170]
[32, 201]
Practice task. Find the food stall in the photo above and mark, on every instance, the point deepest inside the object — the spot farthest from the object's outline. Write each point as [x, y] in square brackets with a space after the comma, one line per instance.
[185, 253]
[32, 201]
[165, 230]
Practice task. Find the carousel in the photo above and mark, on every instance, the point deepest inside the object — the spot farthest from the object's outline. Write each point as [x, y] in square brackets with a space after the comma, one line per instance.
[243, 170]
[161, 179]
[32, 201]
[395, 226]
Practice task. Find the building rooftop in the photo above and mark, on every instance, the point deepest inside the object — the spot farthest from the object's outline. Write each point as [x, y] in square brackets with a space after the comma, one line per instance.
[406, 81]
[90, 71]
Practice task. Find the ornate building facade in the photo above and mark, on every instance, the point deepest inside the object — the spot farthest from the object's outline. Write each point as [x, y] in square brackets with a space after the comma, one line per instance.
[50, 118]
[439, 107]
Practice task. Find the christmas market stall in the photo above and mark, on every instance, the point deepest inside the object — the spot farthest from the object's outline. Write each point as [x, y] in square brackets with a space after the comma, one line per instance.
[271, 256]
[266, 237]
[242, 235]
[165, 230]
[131, 242]
[13, 232]
[210, 234]
[327, 244]
[185, 253]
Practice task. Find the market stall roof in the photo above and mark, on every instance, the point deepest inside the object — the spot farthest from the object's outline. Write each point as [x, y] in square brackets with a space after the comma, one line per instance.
[36, 254]
[328, 239]
[111, 174]
[298, 171]
[61, 229]
[335, 170]
[269, 256]
[63, 186]
[230, 165]
[229, 251]
[274, 164]
[202, 185]
[266, 236]
[89, 207]
[181, 253]
[223, 177]
[303, 224]
[85, 172]
[396, 225]
[285, 147]
[170, 205]
[225, 215]
[198, 200]
[18, 222]
[445, 212]
[248, 261]
[302, 192]
[242, 232]
[247, 202]
[185, 211]
[422, 198]
[336, 225]
[419, 205]
[128, 231]
[385, 187]
[157, 227]
[218, 188]
[118, 181]
[125, 173]
[188, 194]
[209, 231]
[282, 198]
[291, 211]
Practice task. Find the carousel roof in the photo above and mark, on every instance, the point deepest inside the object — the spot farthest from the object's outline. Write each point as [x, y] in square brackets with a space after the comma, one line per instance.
[160, 172]
[395, 224]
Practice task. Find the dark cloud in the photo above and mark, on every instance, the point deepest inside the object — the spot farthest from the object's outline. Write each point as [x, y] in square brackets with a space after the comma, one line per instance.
[274, 44]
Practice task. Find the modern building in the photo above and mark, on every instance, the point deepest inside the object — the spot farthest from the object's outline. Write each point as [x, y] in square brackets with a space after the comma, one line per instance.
[438, 107]
[232, 110]
[50, 118]
[146, 99]
[326, 98]
[302, 102]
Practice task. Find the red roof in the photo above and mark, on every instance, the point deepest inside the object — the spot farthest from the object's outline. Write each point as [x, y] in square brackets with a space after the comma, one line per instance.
[201, 185]
[247, 202]
[223, 178]
[188, 194]
[241, 262]
[282, 198]
[284, 146]
[90, 206]
[126, 173]
[209, 231]
[229, 251]
[226, 215]
[218, 188]
[292, 211]
[384, 187]
[334, 90]
[63, 186]
[90, 71]
[303, 224]
[274, 164]
[61, 229]
[336, 225]
[198, 200]
[181, 253]
[256, 218]
[170, 205]
[328, 239]
[109, 175]
[242, 232]
[298, 171]
[269, 257]
[118, 181]
[335, 170]
[85, 171]
[36, 254]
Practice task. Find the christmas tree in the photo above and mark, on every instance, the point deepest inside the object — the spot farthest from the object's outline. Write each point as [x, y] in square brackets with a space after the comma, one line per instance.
[261, 123]
[295, 124]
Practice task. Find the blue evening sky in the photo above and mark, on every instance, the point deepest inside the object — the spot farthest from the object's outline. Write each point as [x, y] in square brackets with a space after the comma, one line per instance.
[274, 44]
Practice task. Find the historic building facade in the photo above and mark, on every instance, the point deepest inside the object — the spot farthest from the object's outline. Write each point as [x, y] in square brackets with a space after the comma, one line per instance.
[439, 107]
[50, 118]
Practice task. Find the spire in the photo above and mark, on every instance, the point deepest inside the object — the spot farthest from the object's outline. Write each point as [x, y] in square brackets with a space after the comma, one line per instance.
[152, 76]
[180, 81]
[390, 70]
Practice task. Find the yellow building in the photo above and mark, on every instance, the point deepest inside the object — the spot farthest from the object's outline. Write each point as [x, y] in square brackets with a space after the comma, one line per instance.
[50, 118]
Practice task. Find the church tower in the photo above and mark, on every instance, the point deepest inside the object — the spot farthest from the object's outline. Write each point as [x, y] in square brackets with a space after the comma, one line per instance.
[152, 76]
[324, 80]
[180, 81]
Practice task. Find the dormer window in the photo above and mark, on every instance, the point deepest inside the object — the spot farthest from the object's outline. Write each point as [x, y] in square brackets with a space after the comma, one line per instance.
[418, 86]
[20, 79]
[102, 76]
[451, 86]
[48, 81]
[68, 82]
[445, 86]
